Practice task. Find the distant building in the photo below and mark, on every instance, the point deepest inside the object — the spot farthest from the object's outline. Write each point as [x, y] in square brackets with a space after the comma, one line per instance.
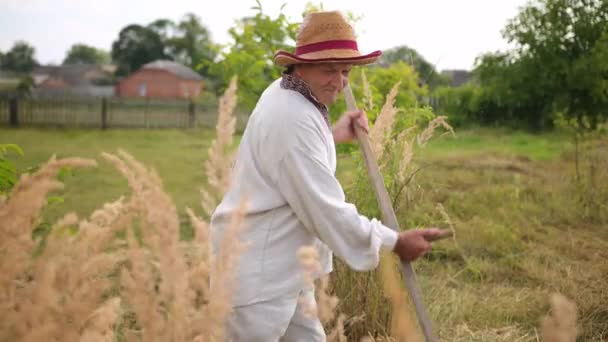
[457, 77]
[161, 80]
[74, 79]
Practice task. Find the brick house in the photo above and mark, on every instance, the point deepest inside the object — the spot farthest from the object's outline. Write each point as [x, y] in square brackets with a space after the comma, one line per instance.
[161, 80]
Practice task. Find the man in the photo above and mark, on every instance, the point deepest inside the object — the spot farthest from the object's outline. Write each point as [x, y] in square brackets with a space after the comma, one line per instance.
[286, 167]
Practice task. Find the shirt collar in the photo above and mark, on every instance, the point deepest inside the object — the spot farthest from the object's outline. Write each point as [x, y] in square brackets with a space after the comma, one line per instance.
[292, 82]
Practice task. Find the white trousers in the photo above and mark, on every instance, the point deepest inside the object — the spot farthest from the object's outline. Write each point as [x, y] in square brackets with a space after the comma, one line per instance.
[281, 319]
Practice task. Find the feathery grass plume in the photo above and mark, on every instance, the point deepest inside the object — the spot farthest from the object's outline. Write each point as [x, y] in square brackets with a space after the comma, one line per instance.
[383, 126]
[447, 219]
[19, 213]
[100, 325]
[402, 325]
[560, 325]
[219, 161]
[309, 261]
[337, 333]
[368, 99]
[162, 305]
[427, 134]
[325, 306]
[67, 282]
[198, 254]
[223, 266]
[27, 198]
[326, 303]
[407, 153]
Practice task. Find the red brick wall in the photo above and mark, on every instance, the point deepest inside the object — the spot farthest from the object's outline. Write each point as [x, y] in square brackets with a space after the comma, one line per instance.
[54, 83]
[157, 84]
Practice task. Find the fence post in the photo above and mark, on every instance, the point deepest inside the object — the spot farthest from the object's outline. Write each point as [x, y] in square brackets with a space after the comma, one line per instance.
[192, 113]
[104, 113]
[13, 110]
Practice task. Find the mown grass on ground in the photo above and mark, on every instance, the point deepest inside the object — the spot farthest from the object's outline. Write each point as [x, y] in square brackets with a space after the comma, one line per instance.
[521, 232]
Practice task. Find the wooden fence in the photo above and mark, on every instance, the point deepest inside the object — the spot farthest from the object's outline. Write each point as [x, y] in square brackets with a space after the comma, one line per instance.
[109, 113]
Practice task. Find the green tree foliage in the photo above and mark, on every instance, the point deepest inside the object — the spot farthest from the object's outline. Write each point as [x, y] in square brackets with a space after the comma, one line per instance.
[187, 41]
[426, 71]
[85, 54]
[558, 66]
[191, 44]
[255, 39]
[136, 45]
[20, 58]
[381, 80]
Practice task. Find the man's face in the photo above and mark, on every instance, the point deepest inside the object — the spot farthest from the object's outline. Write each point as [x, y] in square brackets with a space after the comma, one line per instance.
[326, 80]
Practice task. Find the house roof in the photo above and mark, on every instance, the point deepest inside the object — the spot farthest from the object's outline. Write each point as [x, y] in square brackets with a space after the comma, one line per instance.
[72, 74]
[176, 69]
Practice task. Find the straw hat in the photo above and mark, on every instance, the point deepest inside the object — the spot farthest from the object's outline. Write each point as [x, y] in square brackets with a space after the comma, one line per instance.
[325, 37]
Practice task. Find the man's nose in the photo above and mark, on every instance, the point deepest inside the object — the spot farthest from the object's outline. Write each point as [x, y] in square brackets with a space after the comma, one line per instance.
[341, 81]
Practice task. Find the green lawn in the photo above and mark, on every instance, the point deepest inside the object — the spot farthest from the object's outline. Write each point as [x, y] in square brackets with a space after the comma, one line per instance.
[535, 146]
[178, 156]
[524, 228]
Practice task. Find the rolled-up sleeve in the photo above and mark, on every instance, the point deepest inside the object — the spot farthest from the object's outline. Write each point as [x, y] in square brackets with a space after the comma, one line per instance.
[311, 189]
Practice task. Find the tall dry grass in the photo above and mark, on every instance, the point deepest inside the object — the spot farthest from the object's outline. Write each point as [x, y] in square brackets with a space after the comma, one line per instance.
[123, 273]
[325, 307]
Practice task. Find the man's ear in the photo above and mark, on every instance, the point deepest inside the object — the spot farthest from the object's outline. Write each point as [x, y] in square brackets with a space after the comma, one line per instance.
[297, 70]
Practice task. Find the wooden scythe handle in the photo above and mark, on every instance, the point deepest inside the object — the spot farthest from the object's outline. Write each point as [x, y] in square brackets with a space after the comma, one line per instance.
[390, 220]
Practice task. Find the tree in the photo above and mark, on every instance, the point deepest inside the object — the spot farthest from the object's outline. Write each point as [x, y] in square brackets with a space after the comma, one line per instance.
[426, 71]
[20, 58]
[191, 44]
[136, 45]
[255, 40]
[559, 64]
[84, 54]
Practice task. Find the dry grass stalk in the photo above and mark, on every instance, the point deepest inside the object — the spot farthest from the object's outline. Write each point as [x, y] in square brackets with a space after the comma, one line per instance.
[28, 292]
[309, 261]
[159, 253]
[381, 130]
[326, 303]
[447, 219]
[219, 160]
[166, 284]
[68, 292]
[560, 325]
[223, 265]
[428, 132]
[337, 333]
[325, 306]
[407, 153]
[368, 99]
[402, 325]
[100, 325]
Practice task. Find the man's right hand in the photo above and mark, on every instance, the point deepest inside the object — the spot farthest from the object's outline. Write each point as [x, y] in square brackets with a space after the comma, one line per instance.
[412, 244]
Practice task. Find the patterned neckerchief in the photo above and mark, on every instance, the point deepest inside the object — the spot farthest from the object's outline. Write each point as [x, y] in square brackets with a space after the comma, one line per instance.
[295, 83]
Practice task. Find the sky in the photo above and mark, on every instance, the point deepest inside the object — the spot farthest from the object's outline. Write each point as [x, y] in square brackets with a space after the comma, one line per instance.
[449, 34]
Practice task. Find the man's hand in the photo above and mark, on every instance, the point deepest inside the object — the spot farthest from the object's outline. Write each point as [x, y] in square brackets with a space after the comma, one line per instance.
[344, 131]
[413, 244]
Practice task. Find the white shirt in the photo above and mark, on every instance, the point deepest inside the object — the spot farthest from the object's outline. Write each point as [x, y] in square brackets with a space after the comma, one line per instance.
[285, 166]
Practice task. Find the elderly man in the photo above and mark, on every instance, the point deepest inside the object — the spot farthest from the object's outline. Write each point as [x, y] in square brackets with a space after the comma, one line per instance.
[286, 167]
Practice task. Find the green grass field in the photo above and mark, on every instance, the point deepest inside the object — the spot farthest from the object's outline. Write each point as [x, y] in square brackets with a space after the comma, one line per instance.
[524, 228]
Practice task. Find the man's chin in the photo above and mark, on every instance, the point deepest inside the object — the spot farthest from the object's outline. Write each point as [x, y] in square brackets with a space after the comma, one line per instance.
[330, 100]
